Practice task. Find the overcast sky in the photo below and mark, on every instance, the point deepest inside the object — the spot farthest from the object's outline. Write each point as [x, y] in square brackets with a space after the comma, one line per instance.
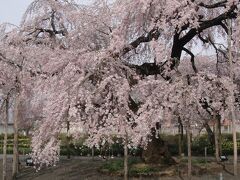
[12, 10]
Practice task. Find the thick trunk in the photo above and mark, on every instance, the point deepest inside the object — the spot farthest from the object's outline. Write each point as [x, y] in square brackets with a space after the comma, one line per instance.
[189, 152]
[5, 129]
[15, 140]
[176, 53]
[157, 152]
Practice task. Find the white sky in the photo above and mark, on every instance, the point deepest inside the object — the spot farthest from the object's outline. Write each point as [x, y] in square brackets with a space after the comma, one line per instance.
[12, 10]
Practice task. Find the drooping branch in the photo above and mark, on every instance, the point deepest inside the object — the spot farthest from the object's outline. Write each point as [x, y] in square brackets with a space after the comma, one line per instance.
[52, 21]
[217, 50]
[10, 62]
[224, 27]
[192, 59]
[20, 67]
[52, 31]
[204, 40]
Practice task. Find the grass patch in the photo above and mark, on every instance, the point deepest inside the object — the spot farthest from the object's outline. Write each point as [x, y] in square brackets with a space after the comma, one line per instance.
[141, 169]
[113, 166]
[136, 167]
[195, 161]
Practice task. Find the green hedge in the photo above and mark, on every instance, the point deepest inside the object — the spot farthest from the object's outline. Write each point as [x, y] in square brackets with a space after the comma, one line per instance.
[199, 143]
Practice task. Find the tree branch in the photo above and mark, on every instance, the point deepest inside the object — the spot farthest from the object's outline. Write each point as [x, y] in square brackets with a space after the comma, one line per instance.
[215, 5]
[192, 59]
[202, 39]
[224, 27]
[207, 24]
[153, 34]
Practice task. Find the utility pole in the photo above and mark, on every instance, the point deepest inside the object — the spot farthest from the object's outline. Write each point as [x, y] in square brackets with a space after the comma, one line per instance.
[15, 139]
[189, 146]
[5, 130]
[126, 158]
[232, 99]
[68, 140]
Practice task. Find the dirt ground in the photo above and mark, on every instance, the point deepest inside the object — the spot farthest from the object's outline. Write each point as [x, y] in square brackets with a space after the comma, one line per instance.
[84, 168]
[67, 169]
[9, 168]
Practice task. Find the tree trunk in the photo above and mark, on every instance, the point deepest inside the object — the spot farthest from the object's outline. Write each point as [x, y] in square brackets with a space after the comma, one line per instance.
[216, 139]
[5, 129]
[234, 141]
[218, 117]
[126, 160]
[15, 140]
[189, 152]
[68, 140]
[180, 137]
[176, 49]
[210, 133]
[93, 153]
[157, 152]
